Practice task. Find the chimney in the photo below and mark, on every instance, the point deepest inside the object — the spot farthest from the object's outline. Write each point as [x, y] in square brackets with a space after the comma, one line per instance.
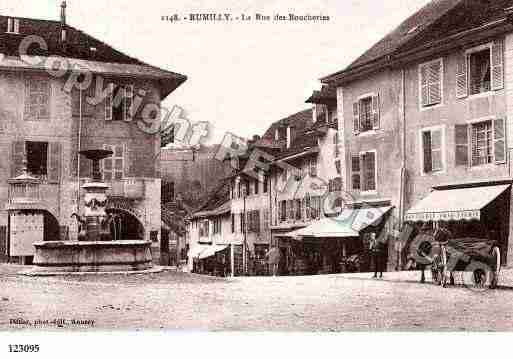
[63, 13]
[63, 22]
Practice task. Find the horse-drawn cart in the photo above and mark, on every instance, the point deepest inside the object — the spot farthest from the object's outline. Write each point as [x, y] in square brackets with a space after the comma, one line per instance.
[477, 259]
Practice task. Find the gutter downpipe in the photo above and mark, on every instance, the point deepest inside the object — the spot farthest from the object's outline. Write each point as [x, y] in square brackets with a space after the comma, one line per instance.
[402, 189]
[79, 147]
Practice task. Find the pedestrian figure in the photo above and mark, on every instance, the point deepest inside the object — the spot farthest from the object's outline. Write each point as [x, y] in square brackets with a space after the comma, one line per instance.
[273, 258]
[376, 252]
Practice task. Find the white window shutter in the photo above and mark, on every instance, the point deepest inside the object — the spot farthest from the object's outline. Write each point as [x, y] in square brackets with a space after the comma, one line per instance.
[424, 94]
[461, 77]
[127, 110]
[356, 117]
[499, 141]
[108, 102]
[435, 82]
[461, 140]
[498, 65]
[54, 162]
[375, 112]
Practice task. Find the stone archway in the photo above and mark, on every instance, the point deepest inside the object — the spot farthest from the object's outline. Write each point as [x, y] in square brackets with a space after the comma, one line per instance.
[131, 226]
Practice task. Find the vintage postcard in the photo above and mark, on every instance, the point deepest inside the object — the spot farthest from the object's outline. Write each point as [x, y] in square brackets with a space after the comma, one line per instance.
[184, 166]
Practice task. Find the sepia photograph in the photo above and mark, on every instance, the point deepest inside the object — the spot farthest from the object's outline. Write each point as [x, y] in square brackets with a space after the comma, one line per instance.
[188, 169]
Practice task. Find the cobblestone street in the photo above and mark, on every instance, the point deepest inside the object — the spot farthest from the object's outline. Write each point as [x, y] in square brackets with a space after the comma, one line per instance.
[171, 300]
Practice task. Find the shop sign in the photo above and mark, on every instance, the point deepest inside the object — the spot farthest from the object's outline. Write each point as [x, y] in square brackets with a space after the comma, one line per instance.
[444, 216]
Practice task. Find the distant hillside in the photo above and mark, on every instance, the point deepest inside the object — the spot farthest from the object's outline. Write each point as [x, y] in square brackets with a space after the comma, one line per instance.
[193, 180]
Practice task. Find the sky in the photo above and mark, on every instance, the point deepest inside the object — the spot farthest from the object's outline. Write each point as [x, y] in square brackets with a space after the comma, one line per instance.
[242, 76]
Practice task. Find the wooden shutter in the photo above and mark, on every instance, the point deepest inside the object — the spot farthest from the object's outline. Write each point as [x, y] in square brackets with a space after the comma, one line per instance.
[498, 65]
[369, 171]
[356, 117]
[461, 77]
[499, 140]
[426, 152]
[109, 100]
[424, 92]
[436, 150]
[435, 82]
[375, 112]
[17, 156]
[355, 172]
[462, 143]
[54, 162]
[129, 93]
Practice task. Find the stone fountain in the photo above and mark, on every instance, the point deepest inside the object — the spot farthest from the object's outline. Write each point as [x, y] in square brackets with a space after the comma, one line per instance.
[94, 250]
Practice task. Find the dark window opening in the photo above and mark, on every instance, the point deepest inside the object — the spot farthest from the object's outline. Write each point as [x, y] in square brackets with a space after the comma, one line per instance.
[37, 158]
[479, 72]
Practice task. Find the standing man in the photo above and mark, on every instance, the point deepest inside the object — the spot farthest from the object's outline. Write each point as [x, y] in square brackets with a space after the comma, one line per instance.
[375, 248]
[273, 258]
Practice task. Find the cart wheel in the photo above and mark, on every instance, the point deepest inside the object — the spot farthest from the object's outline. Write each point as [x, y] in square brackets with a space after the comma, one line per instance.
[496, 255]
[476, 275]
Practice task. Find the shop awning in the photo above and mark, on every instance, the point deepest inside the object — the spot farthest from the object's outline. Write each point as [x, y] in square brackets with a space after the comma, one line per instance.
[454, 204]
[195, 251]
[348, 224]
[212, 250]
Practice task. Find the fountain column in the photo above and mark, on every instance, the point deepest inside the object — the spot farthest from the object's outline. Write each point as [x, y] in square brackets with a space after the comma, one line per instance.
[95, 199]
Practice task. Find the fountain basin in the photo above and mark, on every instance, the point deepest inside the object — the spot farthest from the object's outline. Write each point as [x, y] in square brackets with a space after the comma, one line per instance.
[88, 256]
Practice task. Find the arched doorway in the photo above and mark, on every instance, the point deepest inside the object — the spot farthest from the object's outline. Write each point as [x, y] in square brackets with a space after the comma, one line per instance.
[130, 226]
[51, 228]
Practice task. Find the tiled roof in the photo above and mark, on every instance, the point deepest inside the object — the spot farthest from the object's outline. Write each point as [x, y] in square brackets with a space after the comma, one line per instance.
[437, 19]
[326, 95]
[86, 51]
[78, 43]
[298, 121]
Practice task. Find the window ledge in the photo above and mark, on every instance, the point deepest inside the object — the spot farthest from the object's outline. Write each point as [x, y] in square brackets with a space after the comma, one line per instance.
[369, 133]
[433, 173]
[487, 166]
[430, 107]
[481, 95]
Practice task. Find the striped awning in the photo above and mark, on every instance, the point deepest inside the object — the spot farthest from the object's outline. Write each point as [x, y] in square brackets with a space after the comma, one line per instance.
[454, 204]
[348, 224]
[212, 250]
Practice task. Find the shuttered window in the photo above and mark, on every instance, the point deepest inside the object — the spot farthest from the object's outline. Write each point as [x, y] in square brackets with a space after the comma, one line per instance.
[118, 104]
[113, 167]
[480, 70]
[355, 172]
[366, 114]
[431, 76]
[432, 150]
[369, 171]
[481, 143]
[363, 174]
[37, 99]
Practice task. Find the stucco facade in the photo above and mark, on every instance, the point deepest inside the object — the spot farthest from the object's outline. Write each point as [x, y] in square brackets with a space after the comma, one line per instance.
[137, 193]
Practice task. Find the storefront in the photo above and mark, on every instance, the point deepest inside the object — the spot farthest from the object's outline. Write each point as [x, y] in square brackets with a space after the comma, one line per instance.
[333, 245]
[216, 259]
[467, 211]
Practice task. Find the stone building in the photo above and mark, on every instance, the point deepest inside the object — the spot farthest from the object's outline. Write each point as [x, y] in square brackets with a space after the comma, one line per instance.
[425, 118]
[70, 92]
